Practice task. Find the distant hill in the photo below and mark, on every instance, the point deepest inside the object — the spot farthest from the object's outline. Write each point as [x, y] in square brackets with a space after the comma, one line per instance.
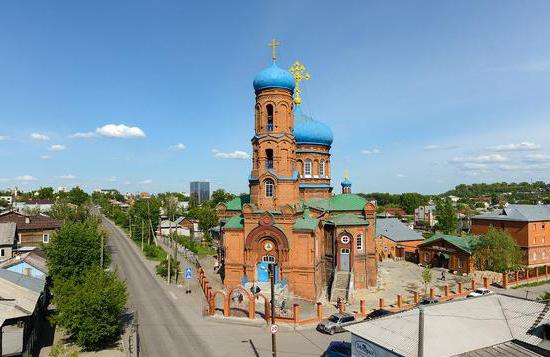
[522, 192]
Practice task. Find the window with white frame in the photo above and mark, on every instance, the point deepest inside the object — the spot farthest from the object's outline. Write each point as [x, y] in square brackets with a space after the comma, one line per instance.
[359, 242]
[534, 255]
[543, 255]
[322, 168]
[307, 168]
[269, 188]
[268, 259]
[45, 238]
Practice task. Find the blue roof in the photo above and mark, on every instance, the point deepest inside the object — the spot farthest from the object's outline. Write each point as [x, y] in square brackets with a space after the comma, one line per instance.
[310, 131]
[346, 183]
[274, 77]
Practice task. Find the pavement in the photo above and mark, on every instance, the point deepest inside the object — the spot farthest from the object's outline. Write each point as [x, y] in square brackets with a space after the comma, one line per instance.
[171, 323]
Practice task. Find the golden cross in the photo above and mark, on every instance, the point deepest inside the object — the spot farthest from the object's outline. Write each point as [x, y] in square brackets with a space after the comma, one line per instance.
[273, 44]
[297, 70]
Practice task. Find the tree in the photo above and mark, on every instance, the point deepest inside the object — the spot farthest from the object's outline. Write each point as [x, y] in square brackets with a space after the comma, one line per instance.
[426, 277]
[412, 200]
[497, 250]
[91, 310]
[220, 196]
[77, 196]
[446, 216]
[73, 249]
[62, 210]
[208, 218]
[46, 193]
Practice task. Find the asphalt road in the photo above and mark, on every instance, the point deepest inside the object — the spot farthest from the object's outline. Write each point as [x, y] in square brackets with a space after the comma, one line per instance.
[163, 329]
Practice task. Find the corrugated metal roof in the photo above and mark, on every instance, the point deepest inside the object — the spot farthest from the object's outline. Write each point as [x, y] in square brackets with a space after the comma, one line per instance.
[24, 281]
[7, 233]
[396, 230]
[523, 213]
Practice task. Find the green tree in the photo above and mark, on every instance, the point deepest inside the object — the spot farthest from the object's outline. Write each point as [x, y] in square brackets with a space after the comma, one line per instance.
[73, 249]
[90, 310]
[220, 196]
[411, 200]
[446, 216]
[46, 193]
[497, 250]
[77, 196]
[426, 277]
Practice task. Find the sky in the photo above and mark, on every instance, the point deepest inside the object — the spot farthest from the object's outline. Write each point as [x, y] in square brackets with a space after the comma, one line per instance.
[150, 95]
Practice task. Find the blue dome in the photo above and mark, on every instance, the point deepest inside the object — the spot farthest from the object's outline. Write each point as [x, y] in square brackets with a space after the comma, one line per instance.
[309, 131]
[274, 77]
[346, 183]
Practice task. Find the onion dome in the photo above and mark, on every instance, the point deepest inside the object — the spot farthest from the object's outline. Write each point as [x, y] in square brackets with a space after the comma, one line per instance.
[346, 183]
[310, 131]
[274, 77]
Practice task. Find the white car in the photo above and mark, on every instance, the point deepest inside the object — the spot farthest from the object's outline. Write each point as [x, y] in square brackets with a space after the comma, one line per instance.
[480, 292]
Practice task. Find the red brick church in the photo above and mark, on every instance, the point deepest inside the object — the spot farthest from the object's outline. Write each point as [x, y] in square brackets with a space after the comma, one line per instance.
[320, 241]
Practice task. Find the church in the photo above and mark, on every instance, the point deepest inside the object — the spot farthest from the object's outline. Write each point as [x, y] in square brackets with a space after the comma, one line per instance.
[322, 242]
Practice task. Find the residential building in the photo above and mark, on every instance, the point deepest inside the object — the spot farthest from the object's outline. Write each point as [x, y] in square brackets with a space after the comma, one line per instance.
[181, 226]
[31, 263]
[449, 252]
[529, 225]
[200, 191]
[38, 205]
[7, 199]
[290, 217]
[425, 216]
[22, 313]
[392, 212]
[7, 240]
[32, 231]
[394, 239]
[490, 325]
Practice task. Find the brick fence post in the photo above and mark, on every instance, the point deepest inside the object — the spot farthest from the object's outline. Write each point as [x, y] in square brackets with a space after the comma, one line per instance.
[363, 307]
[546, 270]
[432, 293]
[517, 277]
[341, 307]
[486, 282]
[505, 280]
[459, 288]
[296, 309]
[415, 297]
[446, 290]
[381, 303]
[226, 309]
[473, 284]
[399, 301]
[320, 311]
[251, 308]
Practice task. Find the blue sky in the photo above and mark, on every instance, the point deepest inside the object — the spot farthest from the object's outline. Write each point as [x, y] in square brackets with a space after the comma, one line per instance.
[420, 95]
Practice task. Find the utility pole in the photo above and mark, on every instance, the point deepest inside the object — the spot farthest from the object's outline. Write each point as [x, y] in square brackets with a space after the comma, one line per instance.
[272, 283]
[101, 253]
[142, 235]
[421, 331]
[168, 265]
[130, 218]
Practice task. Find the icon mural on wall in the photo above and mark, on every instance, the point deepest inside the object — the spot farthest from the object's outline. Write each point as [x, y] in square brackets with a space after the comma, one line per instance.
[268, 246]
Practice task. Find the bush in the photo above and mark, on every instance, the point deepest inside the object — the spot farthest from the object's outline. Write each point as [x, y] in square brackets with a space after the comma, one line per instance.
[162, 267]
[152, 251]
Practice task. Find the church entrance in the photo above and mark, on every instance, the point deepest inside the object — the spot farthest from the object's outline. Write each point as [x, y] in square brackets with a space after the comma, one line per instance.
[344, 259]
[262, 269]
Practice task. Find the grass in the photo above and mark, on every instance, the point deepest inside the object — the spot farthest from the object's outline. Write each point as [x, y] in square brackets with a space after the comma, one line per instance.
[535, 283]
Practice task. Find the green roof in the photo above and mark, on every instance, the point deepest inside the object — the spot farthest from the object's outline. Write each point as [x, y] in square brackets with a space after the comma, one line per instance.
[237, 203]
[348, 219]
[235, 222]
[342, 202]
[465, 243]
[306, 223]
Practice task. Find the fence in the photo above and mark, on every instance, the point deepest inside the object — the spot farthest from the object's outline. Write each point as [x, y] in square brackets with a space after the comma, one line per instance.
[531, 275]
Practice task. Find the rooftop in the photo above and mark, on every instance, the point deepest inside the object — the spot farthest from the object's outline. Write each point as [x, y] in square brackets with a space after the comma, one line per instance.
[522, 213]
[396, 230]
[7, 233]
[463, 243]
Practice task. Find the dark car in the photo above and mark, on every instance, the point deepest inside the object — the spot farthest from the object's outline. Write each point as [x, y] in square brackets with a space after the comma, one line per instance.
[429, 301]
[378, 313]
[338, 349]
[335, 323]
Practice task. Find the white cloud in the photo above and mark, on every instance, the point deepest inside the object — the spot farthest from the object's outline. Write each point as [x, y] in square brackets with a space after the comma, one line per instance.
[127, 182]
[86, 135]
[4, 137]
[473, 166]
[178, 147]
[526, 67]
[537, 158]
[111, 179]
[57, 147]
[120, 131]
[371, 152]
[523, 146]
[26, 178]
[67, 177]
[39, 137]
[488, 159]
[237, 155]
[45, 157]
[434, 147]
[399, 175]
[146, 182]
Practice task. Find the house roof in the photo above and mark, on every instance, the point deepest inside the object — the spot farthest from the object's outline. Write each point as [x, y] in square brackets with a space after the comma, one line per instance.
[522, 213]
[35, 222]
[459, 326]
[237, 203]
[235, 222]
[7, 233]
[24, 281]
[397, 231]
[341, 202]
[463, 243]
[347, 219]
[33, 258]
[306, 222]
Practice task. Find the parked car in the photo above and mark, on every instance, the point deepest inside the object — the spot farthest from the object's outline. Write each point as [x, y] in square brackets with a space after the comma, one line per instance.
[335, 323]
[479, 292]
[378, 313]
[338, 349]
[429, 301]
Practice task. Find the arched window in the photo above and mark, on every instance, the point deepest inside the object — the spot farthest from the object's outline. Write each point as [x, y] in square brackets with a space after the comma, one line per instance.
[322, 168]
[307, 168]
[269, 108]
[269, 188]
[359, 242]
[534, 255]
[269, 159]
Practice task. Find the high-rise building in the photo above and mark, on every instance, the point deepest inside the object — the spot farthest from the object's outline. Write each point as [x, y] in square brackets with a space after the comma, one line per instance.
[200, 191]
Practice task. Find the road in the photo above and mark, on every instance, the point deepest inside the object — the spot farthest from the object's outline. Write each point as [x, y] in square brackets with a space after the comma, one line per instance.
[163, 329]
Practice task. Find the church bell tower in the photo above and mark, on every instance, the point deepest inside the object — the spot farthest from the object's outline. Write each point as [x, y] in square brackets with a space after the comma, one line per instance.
[274, 180]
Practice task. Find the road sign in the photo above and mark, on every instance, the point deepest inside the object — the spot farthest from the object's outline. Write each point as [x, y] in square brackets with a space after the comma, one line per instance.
[188, 273]
[274, 329]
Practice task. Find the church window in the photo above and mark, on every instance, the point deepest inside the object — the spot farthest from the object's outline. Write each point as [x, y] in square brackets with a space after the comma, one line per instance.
[269, 117]
[307, 168]
[269, 186]
[322, 168]
[269, 159]
[359, 242]
[534, 255]
[268, 259]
